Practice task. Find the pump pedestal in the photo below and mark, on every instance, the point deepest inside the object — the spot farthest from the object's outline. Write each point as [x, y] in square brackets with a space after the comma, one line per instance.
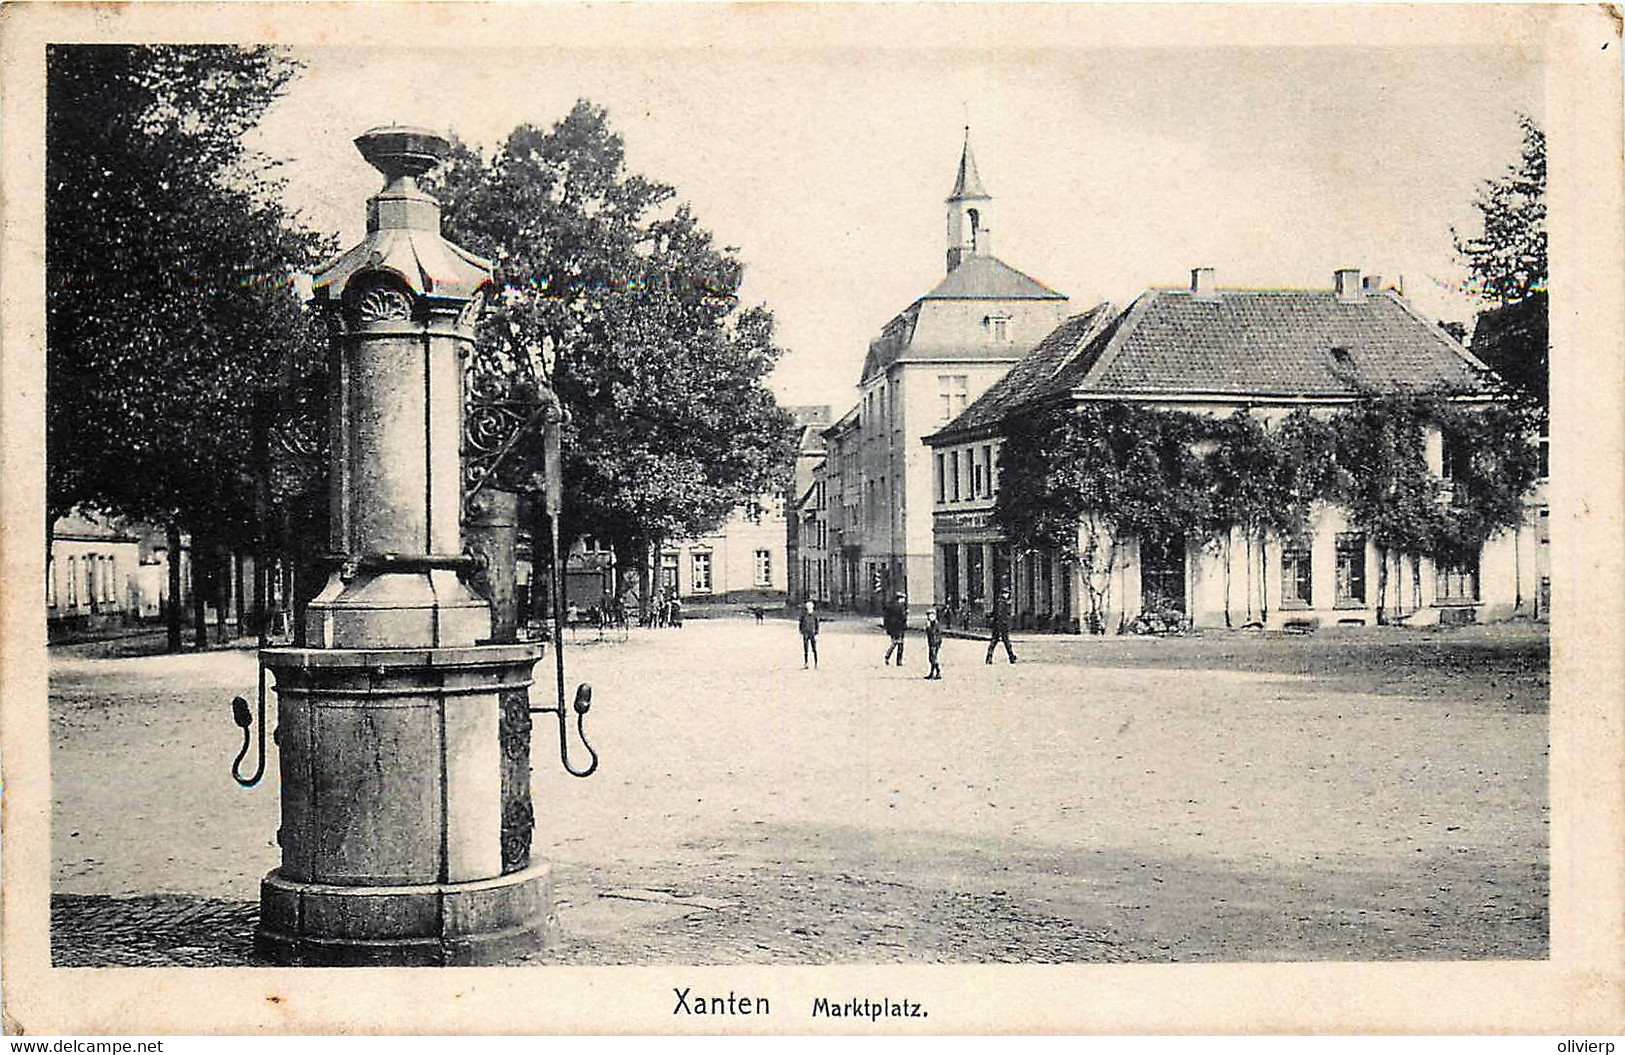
[392, 810]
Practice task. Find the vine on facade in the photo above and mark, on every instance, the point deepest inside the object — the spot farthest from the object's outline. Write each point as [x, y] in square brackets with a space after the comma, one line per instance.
[1080, 480]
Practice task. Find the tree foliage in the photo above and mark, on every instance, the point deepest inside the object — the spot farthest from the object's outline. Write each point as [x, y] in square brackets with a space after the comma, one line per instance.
[168, 259]
[613, 294]
[1506, 265]
[1506, 260]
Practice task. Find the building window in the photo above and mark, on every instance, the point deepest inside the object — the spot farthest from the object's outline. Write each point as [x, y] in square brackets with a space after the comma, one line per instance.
[73, 582]
[942, 486]
[764, 568]
[1296, 589]
[668, 572]
[953, 476]
[1455, 582]
[992, 477]
[50, 582]
[1350, 570]
[976, 481]
[953, 395]
[973, 573]
[701, 581]
[1000, 325]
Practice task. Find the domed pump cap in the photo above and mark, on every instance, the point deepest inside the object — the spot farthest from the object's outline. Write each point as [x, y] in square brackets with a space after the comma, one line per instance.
[400, 152]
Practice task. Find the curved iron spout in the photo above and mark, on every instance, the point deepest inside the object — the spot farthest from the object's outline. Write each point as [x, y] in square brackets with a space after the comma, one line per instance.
[239, 714]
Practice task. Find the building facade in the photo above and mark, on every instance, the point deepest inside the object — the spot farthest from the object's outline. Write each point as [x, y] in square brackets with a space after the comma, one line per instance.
[810, 423]
[743, 561]
[929, 363]
[103, 572]
[1215, 352]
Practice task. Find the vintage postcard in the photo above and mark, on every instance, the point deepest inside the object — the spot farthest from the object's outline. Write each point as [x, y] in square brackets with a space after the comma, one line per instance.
[812, 519]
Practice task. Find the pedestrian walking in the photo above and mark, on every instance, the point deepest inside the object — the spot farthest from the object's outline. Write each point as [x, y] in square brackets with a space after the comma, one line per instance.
[999, 619]
[895, 619]
[809, 636]
[933, 644]
[677, 612]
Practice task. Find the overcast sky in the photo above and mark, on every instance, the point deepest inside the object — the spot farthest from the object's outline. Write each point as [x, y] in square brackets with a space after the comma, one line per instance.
[1111, 169]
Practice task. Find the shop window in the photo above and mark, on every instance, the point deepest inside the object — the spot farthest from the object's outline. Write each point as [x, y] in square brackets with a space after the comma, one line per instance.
[1296, 583]
[1350, 570]
[1455, 582]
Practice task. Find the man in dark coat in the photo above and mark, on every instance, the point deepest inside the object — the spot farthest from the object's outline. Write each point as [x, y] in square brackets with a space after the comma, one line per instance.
[809, 636]
[933, 644]
[999, 618]
[895, 620]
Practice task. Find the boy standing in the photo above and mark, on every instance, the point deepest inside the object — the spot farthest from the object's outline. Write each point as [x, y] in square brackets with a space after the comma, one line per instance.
[809, 636]
[933, 644]
[895, 620]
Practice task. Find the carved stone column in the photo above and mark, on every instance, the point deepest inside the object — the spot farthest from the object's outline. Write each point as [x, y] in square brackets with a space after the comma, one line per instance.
[387, 726]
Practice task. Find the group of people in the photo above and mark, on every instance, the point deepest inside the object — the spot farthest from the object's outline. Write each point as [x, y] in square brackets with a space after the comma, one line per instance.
[894, 617]
[665, 611]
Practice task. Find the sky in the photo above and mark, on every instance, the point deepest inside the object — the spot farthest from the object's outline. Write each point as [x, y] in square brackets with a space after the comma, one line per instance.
[1112, 169]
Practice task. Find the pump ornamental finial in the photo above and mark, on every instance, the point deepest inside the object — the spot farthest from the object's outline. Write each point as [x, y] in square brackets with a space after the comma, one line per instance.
[400, 151]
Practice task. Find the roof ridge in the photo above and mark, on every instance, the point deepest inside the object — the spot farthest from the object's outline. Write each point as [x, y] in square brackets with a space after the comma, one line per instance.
[1103, 313]
[1114, 345]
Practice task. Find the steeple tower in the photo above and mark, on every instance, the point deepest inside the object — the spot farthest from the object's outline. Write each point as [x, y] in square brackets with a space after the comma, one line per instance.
[968, 208]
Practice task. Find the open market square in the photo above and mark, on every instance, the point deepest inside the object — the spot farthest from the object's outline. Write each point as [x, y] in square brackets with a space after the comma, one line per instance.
[1373, 794]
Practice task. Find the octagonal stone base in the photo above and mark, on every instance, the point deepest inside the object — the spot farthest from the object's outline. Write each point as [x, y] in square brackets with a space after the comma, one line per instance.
[431, 925]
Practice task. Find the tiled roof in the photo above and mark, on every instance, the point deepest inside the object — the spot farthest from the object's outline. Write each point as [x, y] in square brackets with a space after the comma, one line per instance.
[88, 524]
[989, 278]
[1035, 375]
[1276, 343]
[811, 438]
[1242, 343]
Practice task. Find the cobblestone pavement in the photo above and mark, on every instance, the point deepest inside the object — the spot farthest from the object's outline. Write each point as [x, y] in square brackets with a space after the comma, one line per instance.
[1346, 796]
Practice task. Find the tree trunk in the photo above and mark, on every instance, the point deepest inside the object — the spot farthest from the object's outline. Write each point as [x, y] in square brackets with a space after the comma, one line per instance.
[200, 626]
[1249, 577]
[242, 622]
[172, 610]
[222, 596]
[1382, 585]
[1263, 579]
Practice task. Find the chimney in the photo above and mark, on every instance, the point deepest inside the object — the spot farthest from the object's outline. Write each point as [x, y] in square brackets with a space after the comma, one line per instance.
[1348, 285]
[1371, 284]
[1202, 287]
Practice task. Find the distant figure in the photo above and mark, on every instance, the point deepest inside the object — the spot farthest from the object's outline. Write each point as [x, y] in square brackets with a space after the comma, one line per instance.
[895, 619]
[758, 611]
[677, 614]
[999, 620]
[809, 636]
[933, 644]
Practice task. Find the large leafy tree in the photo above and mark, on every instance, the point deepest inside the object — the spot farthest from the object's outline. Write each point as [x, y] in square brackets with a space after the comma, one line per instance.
[168, 260]
[611, 292]
[1506, 266]
[1506, 260]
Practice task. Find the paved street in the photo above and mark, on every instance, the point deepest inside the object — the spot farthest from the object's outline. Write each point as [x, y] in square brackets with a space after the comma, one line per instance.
[1347, 795]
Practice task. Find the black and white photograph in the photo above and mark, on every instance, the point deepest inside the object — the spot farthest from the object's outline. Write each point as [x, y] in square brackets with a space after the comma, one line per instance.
[878, 519]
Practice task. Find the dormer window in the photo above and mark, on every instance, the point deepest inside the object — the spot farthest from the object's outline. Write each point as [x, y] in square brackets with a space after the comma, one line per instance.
[1340, 354]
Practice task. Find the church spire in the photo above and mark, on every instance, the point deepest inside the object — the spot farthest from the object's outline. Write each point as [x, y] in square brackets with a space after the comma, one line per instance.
[969, 185]
[967, 211]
